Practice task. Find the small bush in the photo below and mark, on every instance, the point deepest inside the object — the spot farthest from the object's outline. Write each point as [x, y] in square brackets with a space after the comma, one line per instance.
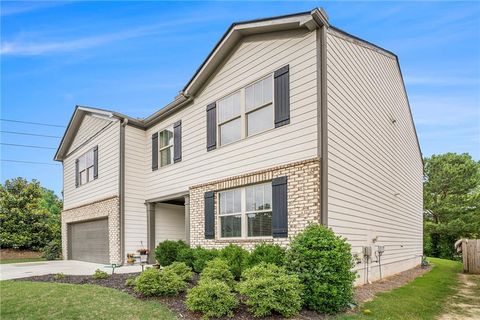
[53, 250]
[167, 251]
[323, 263]
[181, 270]
[269, 288]
[212, 298]
[202, 256]
[217, 269]
[99, 275]
[130, 282]
[236, 258]
[154, 282]
[268, 253]
[59, 276]
[186, 256]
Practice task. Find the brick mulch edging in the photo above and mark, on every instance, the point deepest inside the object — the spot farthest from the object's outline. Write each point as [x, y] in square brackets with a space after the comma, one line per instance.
[9, 254]
[177, 305]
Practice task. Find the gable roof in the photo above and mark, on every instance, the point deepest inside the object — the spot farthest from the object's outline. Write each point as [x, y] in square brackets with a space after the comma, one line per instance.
[309, 19]
[76, 120]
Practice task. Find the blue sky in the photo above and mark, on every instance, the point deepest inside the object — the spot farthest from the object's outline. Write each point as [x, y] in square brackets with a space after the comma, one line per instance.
[134, 57]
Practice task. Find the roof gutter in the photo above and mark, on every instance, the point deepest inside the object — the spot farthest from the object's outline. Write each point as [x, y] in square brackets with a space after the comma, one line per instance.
[180, 101]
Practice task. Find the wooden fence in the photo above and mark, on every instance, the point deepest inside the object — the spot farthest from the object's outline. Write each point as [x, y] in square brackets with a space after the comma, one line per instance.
[471, 255]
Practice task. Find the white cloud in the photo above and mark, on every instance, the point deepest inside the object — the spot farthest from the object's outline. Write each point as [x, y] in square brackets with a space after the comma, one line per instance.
[22, 47]
[19, 7]
[440, 80]
[438, 110]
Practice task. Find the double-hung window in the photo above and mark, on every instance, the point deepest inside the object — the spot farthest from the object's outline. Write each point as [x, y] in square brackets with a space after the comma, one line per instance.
[166, 146]
[86, 167]
[229, 118]
[246, 112]
[246, 212]
[259, 106]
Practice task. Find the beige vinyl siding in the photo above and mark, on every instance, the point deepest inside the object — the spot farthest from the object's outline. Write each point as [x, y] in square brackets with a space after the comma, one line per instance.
[135, 209]
[374, 165]
[253, 58]
[169, 222]
[106, 135]
[90, 125]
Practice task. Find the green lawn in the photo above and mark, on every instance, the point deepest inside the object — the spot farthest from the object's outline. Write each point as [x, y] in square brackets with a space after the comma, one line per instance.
[40, 300]
[5, 261]
[423, 298]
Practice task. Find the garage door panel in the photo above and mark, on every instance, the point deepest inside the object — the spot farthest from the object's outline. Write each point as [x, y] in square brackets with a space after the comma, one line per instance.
[89, 241]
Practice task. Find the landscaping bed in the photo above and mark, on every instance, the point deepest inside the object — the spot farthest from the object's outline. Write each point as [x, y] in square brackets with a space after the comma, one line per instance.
[177, 303]
[232, 282]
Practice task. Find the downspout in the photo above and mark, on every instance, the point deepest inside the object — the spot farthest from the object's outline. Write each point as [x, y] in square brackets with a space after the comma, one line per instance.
[321, 19]
[121, 191]
[324, 125]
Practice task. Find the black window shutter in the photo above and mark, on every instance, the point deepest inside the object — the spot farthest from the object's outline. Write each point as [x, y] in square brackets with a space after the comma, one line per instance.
[282, 96]
[212, 126]
[279, 208]
[77, 174]
[155, 151]
[209, 215]
[177, 141]
[95, 162]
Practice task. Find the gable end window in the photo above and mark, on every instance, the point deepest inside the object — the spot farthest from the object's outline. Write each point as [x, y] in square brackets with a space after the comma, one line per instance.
[245, 212]
[86, 167]
[259, 106]
[256, 108]
[246, 112]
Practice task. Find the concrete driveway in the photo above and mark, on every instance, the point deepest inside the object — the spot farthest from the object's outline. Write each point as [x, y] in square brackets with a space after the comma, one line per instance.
[68, 267]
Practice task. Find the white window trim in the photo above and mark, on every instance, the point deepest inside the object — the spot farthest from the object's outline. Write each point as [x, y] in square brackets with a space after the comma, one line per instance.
[243, 214]
[166, 147]
[244, 112]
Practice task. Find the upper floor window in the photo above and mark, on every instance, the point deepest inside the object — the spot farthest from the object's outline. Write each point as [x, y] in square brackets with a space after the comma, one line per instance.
[246, 212]
[229, 118]
[86, 167]
[246, 112]
[166, 146]
[259, 106]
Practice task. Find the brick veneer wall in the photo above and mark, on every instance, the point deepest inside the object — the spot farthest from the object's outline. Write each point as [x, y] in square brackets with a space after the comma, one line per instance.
[303, 190]
[104, 208]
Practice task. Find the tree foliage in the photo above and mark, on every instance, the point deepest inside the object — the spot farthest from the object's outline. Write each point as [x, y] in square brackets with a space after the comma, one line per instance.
[451, 195]
[29, 215]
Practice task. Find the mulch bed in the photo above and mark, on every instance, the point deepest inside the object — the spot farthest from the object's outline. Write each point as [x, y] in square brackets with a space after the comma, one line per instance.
[176, 303]
[368, 291]
[8, 254]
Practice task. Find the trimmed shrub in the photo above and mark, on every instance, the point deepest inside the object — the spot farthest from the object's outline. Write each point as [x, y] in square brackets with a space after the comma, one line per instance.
[202, 256]
[269, 288]
[268, 253]
[130, 282]
[186, 256]
[236, 258]
[213, 298]
[154, 282]
[53, 250]
[167, 251]
[59, 276]
[217, 269]
[99, 275]
[323, 263]
[181, 270]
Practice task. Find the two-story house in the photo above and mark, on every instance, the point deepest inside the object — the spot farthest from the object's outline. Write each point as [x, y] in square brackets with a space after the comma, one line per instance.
[288, 121]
